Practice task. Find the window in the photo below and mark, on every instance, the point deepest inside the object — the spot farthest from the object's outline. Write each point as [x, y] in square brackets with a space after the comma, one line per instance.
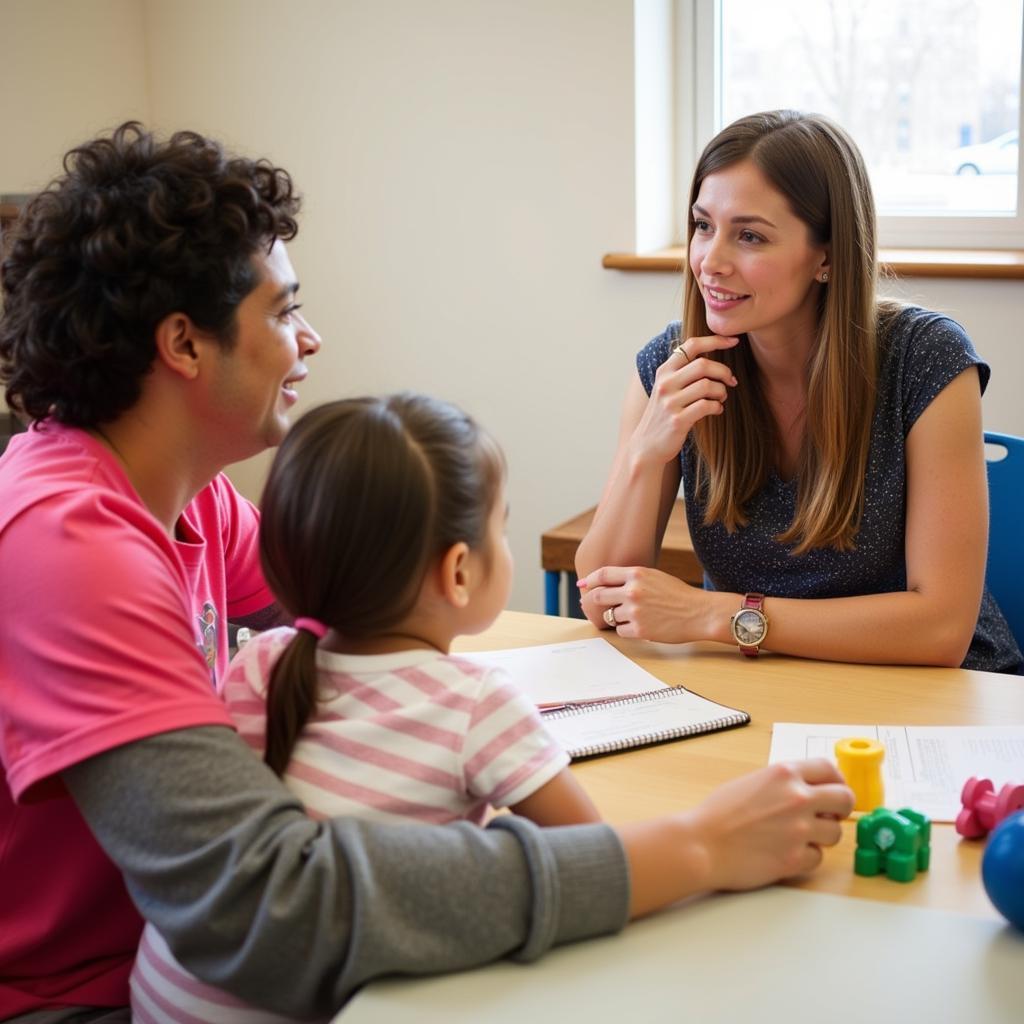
[929, 89]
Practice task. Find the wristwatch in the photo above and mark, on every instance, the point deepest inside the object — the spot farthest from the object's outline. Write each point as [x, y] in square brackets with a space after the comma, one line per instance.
[750, 624]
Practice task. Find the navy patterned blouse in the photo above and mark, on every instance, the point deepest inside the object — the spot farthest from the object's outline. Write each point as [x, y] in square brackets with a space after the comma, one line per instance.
[920, 355]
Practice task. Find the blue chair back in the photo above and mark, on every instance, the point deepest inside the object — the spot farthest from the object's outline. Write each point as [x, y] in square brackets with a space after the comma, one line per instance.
[1004, 572]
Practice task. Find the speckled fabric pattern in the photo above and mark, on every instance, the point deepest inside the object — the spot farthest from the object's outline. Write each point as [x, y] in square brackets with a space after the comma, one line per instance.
[921, 354]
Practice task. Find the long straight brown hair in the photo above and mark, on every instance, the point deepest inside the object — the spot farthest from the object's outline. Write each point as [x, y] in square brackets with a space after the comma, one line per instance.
[361, 496]
[816, 166]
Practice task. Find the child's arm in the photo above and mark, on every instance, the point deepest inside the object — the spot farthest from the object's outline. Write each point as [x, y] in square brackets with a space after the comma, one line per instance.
[562, 801]
[528, 760]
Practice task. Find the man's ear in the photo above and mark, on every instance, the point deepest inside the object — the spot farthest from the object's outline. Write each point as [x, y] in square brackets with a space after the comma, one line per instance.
[454, 575]
[177, 345]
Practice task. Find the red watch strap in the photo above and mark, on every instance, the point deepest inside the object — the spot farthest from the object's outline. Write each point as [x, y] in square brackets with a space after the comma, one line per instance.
[755, 601]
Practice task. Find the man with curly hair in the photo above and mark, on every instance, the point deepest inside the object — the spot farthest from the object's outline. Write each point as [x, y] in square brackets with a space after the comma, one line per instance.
[151, 336]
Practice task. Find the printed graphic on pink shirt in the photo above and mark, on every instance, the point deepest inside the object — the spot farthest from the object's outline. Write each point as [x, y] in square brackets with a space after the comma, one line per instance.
[207, 639]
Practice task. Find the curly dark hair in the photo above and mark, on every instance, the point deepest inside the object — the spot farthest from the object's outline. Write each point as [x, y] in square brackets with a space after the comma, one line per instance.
[133, 230]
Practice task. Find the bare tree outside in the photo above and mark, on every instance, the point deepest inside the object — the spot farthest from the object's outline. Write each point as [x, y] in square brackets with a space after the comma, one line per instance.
[924, 86]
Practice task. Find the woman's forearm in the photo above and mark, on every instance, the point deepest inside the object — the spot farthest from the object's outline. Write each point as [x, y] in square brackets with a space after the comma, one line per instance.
[901, 628]
[906, 627]
[637, 499]
[628, 525]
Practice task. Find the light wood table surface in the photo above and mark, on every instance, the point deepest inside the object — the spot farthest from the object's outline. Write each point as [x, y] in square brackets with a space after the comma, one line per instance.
[660, 779]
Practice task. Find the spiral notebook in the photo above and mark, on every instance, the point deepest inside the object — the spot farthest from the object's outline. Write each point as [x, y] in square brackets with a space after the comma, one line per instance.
[671, 713]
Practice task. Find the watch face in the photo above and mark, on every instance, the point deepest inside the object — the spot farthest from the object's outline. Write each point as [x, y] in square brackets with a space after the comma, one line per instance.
[749, 627]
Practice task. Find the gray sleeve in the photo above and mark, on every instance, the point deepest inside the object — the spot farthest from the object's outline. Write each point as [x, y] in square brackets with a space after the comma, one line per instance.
[294, 914]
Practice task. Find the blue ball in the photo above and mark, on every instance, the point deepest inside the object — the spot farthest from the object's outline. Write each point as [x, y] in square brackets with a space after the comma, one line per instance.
[1002, 868]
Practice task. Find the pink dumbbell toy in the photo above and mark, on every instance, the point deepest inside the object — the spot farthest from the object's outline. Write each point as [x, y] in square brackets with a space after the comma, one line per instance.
[983, 808]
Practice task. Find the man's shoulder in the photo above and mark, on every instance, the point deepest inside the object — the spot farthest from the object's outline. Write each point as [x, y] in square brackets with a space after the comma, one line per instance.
[59, 465]
[70, 505]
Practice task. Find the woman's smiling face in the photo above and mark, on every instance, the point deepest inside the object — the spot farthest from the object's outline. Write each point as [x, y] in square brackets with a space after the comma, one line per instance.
[754, 260]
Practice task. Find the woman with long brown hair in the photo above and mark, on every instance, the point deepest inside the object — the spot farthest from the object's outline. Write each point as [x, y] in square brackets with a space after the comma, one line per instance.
[829, 443]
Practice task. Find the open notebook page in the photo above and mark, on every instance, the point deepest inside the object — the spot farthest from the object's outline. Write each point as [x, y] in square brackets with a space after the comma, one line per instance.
[572, 671]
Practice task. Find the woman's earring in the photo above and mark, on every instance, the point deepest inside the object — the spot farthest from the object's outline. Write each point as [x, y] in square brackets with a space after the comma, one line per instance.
[824, 277]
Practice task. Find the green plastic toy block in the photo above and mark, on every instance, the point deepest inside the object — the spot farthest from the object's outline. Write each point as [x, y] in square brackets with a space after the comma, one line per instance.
[895, 842]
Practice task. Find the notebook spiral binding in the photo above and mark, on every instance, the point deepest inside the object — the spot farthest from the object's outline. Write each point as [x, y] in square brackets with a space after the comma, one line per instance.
[726, 721]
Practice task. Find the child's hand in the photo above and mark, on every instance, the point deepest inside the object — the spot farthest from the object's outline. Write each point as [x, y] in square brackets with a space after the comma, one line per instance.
[771, 824]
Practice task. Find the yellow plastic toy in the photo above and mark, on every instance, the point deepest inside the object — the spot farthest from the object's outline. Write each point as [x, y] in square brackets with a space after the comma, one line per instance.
[860, 761]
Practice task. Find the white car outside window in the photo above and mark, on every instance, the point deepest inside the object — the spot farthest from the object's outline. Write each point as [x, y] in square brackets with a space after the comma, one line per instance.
[997, 156]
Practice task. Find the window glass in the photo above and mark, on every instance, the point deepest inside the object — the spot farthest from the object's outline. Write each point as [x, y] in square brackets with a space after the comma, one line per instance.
[929, 89]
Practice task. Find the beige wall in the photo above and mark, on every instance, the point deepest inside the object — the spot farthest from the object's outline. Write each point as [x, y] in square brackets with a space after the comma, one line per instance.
[465, 164]
[68, 69]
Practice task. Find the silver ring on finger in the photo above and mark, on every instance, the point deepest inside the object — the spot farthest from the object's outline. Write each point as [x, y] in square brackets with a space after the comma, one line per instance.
[680, 346]
[609, 617]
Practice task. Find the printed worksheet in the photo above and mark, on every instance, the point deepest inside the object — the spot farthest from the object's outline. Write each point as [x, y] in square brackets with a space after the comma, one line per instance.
[578, 670]
[925, 766]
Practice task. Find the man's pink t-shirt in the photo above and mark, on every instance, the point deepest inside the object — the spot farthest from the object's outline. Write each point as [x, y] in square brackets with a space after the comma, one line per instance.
[110, 631]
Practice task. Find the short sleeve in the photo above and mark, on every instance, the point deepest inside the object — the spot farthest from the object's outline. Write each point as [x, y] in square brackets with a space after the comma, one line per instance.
[98, 644]
[935, 350]
[507, 754]
[654, 353]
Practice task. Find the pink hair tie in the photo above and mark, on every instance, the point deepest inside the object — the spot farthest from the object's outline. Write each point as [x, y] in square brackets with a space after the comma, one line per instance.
[314, 626]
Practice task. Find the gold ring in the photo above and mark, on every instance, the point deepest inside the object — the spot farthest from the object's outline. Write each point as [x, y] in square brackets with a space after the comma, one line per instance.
[609, 617]
[680, 346]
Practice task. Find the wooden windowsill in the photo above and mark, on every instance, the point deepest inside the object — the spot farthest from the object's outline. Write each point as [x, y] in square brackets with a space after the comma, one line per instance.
[8, 214]
[973, 263]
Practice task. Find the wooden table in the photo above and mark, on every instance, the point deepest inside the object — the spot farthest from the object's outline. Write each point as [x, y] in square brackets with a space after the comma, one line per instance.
[832, 947]
[558, 555]
[656, 780]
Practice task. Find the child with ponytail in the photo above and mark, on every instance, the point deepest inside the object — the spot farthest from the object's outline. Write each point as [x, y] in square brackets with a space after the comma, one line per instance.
[382, 531]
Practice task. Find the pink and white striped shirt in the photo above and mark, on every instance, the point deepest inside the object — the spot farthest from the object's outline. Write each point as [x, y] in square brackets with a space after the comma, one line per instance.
[412, 735]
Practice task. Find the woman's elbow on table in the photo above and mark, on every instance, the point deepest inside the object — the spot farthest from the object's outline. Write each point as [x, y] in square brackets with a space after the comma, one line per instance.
[947, 643]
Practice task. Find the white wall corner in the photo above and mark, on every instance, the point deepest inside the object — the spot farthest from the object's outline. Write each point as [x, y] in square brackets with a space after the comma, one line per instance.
[653, 40]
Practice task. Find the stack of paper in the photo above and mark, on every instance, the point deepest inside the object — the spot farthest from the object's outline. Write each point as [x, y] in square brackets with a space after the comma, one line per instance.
[925, 766]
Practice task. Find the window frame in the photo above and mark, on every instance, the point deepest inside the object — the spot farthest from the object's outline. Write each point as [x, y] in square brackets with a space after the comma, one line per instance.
[693, 30]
